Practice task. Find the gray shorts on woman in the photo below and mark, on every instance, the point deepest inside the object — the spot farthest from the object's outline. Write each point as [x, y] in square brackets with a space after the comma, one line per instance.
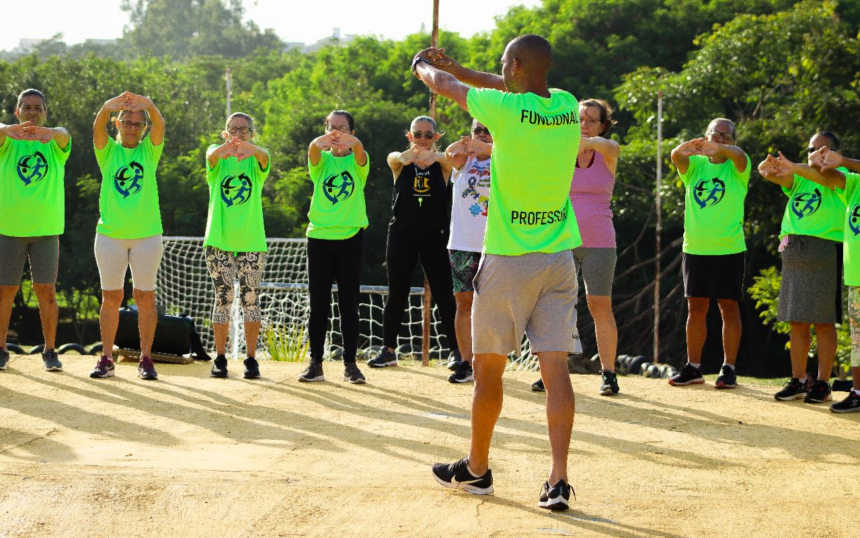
[597, 266]
[533, 294]
[44, 254]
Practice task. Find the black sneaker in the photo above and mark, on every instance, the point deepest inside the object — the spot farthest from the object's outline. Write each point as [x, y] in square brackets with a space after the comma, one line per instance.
[454, 360]
[819, 393]
[555, 497]
[383, 358]
[727, 379]
[689, 375]
[792, 390]
[252, 368]
[537, 386]
[458, 475]
[352, 374]
[851, 404]
[609, 383]
[104, 368]
[314, 372]
[146, 369]
[219, 367]
[52, 361]
[463, 374]
[4, 358]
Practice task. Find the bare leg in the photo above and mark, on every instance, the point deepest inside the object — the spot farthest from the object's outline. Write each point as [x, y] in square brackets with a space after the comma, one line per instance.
[48, 311]
[109, 319]
[221, 331]
[799, 343]
[605, 329]
[7, 299]
[731, 313]
[697, 328]
[463, 323]
[486, 407]
[147, 319]
[826, 335]
[560, 409]
[252, 332]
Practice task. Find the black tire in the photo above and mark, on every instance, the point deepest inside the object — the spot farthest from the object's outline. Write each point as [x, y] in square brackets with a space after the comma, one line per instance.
[15, 349]
[66, 348]
[96, 349]
[635, 364]
[35, 350]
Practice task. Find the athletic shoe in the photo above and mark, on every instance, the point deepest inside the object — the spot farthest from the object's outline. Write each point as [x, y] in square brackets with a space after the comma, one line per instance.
[252, 368]
[537, 386]
[609, 383]
[52, 361]
[792, 390]
[352, 374]
[555, 497]
[819, 393]
[383, 358]
[313, 372]
[104, 368]
[454, 360]
[463, 374]
[458, 475]
[146, 369]
[689, 375]
[727, 379]
[851, 404]
[219, 367]
[4, 358]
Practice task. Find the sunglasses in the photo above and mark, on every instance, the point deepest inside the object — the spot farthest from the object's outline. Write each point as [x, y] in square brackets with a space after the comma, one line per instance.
[813, 150]
[242, 130]
[481, 130]
[427, 134]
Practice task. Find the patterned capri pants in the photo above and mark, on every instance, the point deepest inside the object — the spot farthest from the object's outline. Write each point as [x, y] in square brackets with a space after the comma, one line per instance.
[854, 321]
[224, 267]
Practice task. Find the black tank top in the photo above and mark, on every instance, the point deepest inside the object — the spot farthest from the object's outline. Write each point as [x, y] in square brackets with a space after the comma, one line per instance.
[420, 199]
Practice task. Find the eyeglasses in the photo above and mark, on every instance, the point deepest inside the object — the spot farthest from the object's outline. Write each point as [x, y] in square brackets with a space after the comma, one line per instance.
[728, 136]
[813, 150]
[429, 135]
[481, 130]
[342, 129]
[128, 124]
[241, 130]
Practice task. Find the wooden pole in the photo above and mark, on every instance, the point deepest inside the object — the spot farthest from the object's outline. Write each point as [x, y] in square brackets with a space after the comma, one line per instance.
[229, 78]
[428, 298]
[659, 228]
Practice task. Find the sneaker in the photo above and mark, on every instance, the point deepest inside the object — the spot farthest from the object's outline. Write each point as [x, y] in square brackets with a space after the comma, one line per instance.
[4, 358]
[463, 374]
[458, 475]
[146, 369]
[454, 360]
[537, 386]
[850, 404]
[219, 367]
[52, 361]
[314, 372]
[819, 393]
[792, 390]
[104, 368]
[383, 358]
[252, 368]
[555, 497]
[689, 375]
[352, 374]
[609, 383]
[727, 379]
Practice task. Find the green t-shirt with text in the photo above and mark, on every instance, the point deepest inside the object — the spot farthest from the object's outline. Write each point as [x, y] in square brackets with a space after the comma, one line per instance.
[338, 208]
[128, 203]
[714, 207]
[32, 188]
[814, 210]
[535, 142]
[235, 221]
[851, 251]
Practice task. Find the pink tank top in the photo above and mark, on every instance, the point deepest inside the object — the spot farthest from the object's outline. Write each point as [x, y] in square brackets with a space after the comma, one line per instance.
[591, 197]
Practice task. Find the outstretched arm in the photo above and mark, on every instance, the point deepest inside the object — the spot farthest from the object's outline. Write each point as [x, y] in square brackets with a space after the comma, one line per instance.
[832, 179]
[100, 125]
[776, 171]
[477, 79]
[443, 84]
[609, 149]
[681, 154]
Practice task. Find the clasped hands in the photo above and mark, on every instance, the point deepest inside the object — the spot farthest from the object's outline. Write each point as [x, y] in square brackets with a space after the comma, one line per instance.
[128, 101]
[30, 132]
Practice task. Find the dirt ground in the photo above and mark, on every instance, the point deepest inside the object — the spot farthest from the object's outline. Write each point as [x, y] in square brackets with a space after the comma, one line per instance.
[190, 455]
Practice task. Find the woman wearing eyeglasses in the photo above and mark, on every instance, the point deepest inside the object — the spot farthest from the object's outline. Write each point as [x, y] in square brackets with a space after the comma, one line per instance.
[128, 233]
[338, 167]
[811, 237]
[418, 229]
[235, 238]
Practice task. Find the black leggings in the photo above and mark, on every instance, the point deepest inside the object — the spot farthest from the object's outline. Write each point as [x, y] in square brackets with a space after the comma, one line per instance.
[402, 254]
[330, 261]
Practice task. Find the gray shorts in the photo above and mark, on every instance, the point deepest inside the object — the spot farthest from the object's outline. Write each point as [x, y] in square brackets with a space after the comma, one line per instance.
[533, 294]
[114, 256]
[44, 254]
[598, 269]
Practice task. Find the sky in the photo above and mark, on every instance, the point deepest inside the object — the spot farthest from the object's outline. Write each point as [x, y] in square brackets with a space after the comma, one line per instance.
[292, 20]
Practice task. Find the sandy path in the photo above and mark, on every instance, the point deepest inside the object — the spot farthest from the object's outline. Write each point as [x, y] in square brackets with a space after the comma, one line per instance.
[194, 456]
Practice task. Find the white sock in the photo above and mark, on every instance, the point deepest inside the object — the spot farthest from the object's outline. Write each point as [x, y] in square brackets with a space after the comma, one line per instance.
[732, 366]
[471, 472]
[695, 364]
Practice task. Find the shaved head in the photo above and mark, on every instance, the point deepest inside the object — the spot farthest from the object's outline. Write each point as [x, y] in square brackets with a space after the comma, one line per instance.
[533, 53]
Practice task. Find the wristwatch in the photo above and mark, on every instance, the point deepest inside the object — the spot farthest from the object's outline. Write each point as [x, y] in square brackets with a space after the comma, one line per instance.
[417, 61]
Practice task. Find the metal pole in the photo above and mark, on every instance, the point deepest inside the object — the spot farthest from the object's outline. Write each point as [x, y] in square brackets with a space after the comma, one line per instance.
[428, 298]
[659, 227]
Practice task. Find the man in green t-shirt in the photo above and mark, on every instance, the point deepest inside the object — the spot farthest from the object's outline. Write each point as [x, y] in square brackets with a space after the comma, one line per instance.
[716, 175]
[526, 281]
[32, 198]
